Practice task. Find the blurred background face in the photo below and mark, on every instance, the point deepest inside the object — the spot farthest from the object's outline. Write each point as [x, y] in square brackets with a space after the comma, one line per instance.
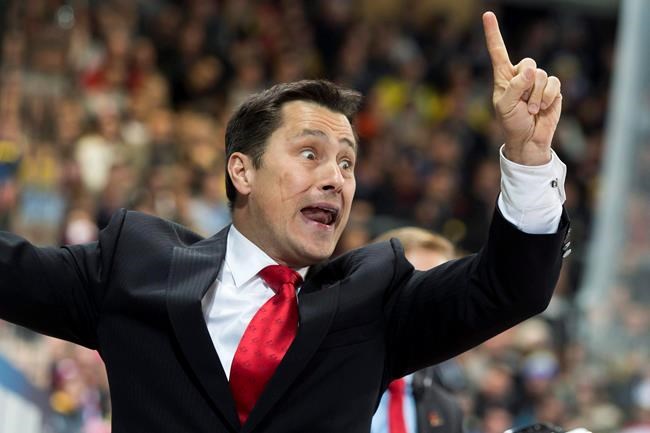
[300, 197]
[423, 258]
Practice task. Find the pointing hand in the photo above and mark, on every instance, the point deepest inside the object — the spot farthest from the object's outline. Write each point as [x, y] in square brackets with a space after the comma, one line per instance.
[527, 101]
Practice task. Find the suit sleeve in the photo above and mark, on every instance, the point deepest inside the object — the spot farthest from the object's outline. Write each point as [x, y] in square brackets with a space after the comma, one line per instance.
[437, 314]
[57, 291]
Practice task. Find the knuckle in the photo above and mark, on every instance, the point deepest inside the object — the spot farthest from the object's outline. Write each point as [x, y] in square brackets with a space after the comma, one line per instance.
[529, 62]
[541, 74]
[519, 83]
[548, 97]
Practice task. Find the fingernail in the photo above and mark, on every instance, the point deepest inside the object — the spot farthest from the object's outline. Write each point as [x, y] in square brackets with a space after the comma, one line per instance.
[544, 106]
[533, 108]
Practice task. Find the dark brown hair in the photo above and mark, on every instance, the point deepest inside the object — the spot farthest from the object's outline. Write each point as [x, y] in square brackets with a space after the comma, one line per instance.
[260, 115]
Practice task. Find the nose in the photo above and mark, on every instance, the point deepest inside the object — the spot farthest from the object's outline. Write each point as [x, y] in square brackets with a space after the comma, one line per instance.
[331, 177]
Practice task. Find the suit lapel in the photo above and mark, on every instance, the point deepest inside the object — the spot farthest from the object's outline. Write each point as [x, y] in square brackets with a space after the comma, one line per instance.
[193, 270]
[316, 308]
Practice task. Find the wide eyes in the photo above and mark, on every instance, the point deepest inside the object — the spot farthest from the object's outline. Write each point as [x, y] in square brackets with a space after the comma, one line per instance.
[309, 154]
[345, 164]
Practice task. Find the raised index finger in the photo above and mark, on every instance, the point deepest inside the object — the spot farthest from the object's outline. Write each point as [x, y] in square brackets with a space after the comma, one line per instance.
[495, 45]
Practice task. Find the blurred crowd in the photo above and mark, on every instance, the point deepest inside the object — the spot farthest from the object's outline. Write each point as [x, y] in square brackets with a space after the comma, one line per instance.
[121, 103]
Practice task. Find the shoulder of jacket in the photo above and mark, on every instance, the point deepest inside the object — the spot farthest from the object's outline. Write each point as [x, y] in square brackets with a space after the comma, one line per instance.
[141, 224]
[374, 252]
[381, 259]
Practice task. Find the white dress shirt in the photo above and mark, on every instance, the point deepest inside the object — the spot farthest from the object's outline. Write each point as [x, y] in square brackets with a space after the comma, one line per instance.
[531, 198]
[236, 295]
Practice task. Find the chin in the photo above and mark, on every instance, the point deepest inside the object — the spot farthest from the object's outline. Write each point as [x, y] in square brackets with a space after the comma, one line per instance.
[315, 257]
[311, 256]
[315, 247]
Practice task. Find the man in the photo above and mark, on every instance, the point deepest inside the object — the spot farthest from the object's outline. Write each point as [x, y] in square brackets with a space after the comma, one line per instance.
[417, 403]
[266, 361]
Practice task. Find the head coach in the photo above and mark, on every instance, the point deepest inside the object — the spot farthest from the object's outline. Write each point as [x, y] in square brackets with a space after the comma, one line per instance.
[255, 329]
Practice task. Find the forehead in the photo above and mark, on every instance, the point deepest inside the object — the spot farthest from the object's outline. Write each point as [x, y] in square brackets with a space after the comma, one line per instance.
[301, 116]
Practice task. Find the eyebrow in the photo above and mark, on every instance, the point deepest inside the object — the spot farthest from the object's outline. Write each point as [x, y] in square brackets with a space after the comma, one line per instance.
[321, 134]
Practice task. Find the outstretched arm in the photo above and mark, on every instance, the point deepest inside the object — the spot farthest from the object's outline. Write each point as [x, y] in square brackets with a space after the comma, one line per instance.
[437, 314]
[57, 291]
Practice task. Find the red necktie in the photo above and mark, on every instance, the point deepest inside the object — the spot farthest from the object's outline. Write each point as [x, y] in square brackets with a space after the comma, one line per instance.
[266, 339]
[396, 423]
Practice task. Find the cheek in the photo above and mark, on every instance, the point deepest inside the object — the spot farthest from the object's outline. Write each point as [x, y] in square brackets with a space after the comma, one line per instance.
[292, 184]
[350, 189]
[348, 194]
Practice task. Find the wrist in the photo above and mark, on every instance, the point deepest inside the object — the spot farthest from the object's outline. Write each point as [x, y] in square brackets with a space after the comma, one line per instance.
[530, 156]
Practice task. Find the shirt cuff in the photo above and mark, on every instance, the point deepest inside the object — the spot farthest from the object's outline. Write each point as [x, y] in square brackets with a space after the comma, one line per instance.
[532, 196]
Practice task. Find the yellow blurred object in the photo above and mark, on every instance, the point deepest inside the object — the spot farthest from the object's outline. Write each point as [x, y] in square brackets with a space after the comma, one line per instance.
[392, 94]
[9, 151]
[62, 402]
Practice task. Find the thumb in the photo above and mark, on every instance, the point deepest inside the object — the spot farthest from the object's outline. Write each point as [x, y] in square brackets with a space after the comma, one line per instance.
[516, 88]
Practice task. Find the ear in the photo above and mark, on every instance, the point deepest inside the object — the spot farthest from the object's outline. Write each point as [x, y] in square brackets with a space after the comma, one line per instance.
[242, 172]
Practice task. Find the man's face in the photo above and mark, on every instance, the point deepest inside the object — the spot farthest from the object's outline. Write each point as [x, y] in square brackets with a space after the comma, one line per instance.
[299, 198]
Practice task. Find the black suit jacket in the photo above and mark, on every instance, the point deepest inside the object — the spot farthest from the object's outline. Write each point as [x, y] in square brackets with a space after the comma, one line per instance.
[365, 318]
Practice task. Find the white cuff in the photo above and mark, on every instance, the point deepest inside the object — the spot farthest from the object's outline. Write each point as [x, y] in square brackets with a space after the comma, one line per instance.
[532, 196]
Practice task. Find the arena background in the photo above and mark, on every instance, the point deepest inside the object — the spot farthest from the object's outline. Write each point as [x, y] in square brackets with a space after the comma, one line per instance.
[121, 103]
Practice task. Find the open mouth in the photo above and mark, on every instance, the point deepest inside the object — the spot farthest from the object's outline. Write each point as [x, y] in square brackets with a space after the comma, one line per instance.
[322, 214]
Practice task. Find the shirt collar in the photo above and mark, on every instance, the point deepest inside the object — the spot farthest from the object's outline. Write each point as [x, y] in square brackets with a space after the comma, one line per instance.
[245, 259]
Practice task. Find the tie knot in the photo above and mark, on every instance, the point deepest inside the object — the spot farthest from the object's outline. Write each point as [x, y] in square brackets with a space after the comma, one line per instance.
[397, 386]
[276, 276]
